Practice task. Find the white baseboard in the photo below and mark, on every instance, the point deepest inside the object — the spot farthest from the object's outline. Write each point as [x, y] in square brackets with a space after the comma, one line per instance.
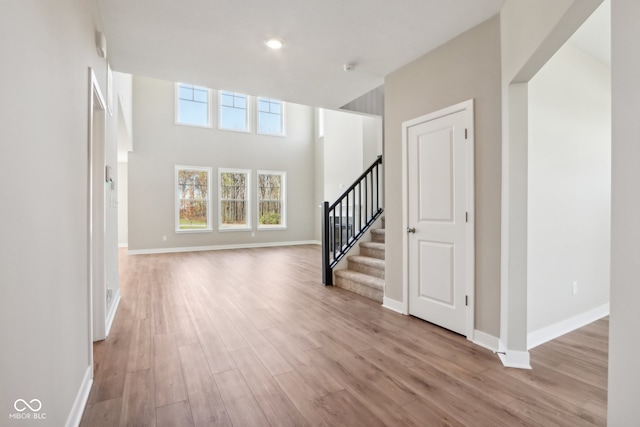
[485, 340]
[393, 305]
[515, 359]
[112, 312]
[123, 245]
[220, 247]
[551, 332]
[81, 399]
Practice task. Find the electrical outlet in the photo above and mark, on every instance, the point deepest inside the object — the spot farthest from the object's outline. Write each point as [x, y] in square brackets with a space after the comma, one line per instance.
[164, 238]
[575, 287]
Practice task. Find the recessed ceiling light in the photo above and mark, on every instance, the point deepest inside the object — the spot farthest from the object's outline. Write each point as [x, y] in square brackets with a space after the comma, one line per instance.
[274, 43]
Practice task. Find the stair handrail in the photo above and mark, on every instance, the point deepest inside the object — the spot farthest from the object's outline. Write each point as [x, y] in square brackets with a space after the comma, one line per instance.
[336, 245]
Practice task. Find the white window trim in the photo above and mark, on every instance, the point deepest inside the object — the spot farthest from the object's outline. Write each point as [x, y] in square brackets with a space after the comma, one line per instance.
[283, 191]
[247, 227]
[177, 199]
[247, 113]
[282, 118]
[177, 107]
[321, 118]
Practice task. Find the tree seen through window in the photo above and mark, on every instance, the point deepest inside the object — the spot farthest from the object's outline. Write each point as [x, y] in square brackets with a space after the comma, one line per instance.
[271, 199]
[193, 199]
[234, 199]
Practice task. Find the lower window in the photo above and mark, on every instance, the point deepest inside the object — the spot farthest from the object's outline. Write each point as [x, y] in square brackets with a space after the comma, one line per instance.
[271, 200]
[234, 199]
[193, 191]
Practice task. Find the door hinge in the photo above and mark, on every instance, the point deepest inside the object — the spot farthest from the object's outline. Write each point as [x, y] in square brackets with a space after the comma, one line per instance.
[466, 300]
[466, 133]
[466, 216]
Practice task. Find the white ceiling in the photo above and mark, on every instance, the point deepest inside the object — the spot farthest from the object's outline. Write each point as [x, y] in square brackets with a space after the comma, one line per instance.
[220, 43]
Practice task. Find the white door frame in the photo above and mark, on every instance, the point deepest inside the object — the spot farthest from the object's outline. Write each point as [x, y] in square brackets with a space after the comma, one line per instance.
[466, 106]
[96, 320]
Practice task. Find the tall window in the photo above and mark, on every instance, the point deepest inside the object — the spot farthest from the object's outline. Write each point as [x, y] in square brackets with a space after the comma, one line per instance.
[234, 199]
[271, 199]
[270, 117]
[192, 105]
[193, 193]
[234, 111]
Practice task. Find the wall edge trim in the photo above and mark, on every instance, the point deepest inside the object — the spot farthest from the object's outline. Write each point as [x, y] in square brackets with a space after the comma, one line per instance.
[393, 305]
[112, 312]
[486, 340]
[220, 247]
[548, 333]
[75, 415]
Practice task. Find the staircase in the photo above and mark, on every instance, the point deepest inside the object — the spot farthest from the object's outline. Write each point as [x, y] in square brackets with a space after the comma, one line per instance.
[365, 272]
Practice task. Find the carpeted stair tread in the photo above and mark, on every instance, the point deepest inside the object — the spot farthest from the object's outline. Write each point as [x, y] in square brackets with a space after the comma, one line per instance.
[366, 260]
[372, 245]
[378, 235]
[361, 284]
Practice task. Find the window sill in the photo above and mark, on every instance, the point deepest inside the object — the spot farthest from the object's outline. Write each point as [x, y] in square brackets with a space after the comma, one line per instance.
[281, 135]
[191, 125]
[235, 130]
[194, 230]
[225, 229]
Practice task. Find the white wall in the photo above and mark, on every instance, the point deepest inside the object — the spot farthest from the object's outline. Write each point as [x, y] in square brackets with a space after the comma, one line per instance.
[44, 301]
[350, 144]
[531, 32]
[123, 204]
[371, 139]
[160, 144]
[569, 187]
[123, 103]
[624, 347]
[343, 152]
[318, 163]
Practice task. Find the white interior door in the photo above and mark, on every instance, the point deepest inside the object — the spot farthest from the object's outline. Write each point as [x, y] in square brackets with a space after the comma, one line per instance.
[438, 167]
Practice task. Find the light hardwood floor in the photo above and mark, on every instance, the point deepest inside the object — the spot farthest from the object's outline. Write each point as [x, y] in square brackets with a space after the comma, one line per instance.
[251, 338]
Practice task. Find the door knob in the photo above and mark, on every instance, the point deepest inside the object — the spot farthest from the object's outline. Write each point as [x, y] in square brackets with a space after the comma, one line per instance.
[411, 230]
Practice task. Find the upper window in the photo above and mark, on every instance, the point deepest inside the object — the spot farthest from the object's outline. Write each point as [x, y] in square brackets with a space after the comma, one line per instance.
[271, 199]
[270, 116]
[193, 194]
[234, 111]
[192, 105]
[234, 199]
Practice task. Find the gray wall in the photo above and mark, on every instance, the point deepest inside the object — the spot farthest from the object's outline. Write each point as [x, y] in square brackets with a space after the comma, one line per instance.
[624, 370]
[569, 187]
[47, 49]
[444, 77]
[160, 144]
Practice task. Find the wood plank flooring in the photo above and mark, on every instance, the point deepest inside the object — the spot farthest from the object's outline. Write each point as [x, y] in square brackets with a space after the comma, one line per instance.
[251, 338]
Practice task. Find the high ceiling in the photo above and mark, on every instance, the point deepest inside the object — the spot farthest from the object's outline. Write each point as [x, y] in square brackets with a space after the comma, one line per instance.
[220, 43]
